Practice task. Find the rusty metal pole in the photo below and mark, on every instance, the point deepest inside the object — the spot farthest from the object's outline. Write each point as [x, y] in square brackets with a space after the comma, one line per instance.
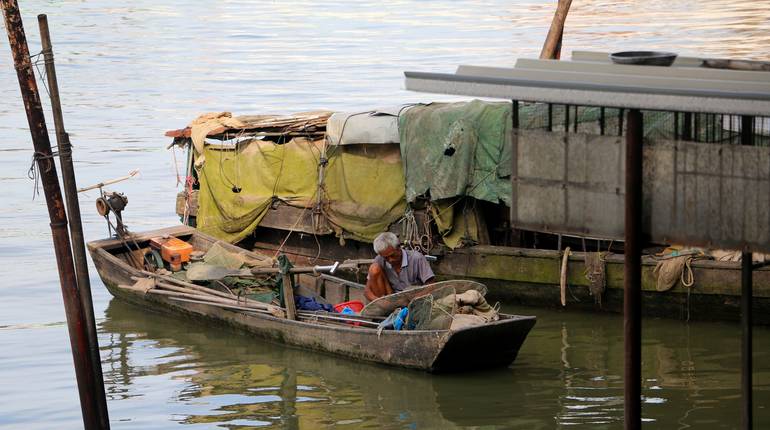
[747, 371]
[76, 226]
[746, 342]
[45, 165]
[632, 272]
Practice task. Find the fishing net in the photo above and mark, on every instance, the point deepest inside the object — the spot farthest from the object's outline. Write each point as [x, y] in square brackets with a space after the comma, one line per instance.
[217, 255]
[433, 311]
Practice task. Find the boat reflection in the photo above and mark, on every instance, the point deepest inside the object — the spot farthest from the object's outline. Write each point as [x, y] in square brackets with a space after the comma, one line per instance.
[220, 377]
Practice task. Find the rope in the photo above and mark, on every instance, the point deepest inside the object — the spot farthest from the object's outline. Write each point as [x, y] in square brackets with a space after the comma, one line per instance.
[176, 167]
[688, 278]
[43, 75]
[672, 269]
[299, 218]
[563, 276]
[189, 182]
[33, 173]
[410, 231]
[459, 198]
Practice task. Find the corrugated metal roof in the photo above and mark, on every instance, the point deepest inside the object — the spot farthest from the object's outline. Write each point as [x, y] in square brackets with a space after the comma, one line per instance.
[594, 81]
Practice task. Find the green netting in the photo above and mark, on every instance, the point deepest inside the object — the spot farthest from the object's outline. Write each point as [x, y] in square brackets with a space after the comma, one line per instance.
[217, 255]
[433, 311]
[658, 125]
[260, 289]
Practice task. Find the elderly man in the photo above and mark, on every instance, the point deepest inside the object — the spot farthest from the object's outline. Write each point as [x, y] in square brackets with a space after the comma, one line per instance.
[395, 269]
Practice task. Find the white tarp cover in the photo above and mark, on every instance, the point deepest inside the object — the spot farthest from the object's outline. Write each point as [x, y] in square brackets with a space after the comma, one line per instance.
[368, 127]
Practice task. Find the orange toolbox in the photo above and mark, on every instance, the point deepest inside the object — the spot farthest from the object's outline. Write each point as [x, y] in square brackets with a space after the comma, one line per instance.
[172, 250]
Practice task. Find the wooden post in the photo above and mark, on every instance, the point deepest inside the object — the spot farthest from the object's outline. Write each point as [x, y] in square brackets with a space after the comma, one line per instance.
[632, 273]
[288, 297]
[61, 242]
[76, 227]
[552, 46]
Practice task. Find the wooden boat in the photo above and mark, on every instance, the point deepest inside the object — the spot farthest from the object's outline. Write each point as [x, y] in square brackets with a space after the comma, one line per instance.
[522, 267]
[489, 345]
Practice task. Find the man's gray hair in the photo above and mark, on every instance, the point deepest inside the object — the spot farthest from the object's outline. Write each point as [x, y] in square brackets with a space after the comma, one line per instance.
[385, 240]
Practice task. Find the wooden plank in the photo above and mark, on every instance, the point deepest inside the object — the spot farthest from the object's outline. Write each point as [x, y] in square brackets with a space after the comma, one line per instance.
[288, 296]
[306, 122]
[541, 268]
[334, 292]
[285, 217]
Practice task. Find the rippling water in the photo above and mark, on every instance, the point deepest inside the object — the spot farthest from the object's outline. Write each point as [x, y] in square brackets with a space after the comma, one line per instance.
[130, 71]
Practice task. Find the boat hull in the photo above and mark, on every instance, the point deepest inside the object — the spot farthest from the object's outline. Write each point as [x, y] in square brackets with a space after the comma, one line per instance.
[434, 351]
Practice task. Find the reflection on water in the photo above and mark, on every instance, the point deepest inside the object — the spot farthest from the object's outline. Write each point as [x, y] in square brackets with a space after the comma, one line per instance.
[228, 378]
[129, 71]
[568, 373]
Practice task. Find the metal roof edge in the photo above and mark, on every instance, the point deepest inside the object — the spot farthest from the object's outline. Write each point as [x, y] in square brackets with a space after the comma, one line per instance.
[738, 95]
[710, 101]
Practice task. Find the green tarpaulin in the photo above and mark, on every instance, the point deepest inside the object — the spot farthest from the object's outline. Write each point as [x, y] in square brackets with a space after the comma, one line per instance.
[447, 151]
[457, 149]
[362, 192]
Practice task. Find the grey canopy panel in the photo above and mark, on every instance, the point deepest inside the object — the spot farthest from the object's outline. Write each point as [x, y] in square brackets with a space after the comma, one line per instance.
[594, 83]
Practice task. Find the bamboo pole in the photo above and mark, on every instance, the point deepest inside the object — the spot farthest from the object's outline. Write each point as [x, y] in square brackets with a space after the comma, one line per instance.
[352, 265]
[305, 316]
[552, 46]
[272, 310]
[75, 225]
[167, 282]
[83, 361]
[221, 305]
[241, 300]
[130, 175]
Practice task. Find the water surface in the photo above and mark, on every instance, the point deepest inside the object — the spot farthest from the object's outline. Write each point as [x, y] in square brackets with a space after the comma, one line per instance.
[130, 71]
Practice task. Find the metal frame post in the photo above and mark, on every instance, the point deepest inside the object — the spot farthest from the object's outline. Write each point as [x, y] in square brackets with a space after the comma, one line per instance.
[747, 138]
[514, 214]
[632, 271]
[687, 126]
[746, 341]
[75, 225]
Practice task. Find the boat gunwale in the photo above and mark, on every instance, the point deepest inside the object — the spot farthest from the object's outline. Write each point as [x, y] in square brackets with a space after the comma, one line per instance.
[112, 258]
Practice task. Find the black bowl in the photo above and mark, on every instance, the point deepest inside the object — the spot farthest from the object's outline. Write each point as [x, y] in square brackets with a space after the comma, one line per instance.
[644, 58]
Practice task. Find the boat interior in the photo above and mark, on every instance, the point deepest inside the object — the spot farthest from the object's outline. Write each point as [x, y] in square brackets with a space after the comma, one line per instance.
[185, 266]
